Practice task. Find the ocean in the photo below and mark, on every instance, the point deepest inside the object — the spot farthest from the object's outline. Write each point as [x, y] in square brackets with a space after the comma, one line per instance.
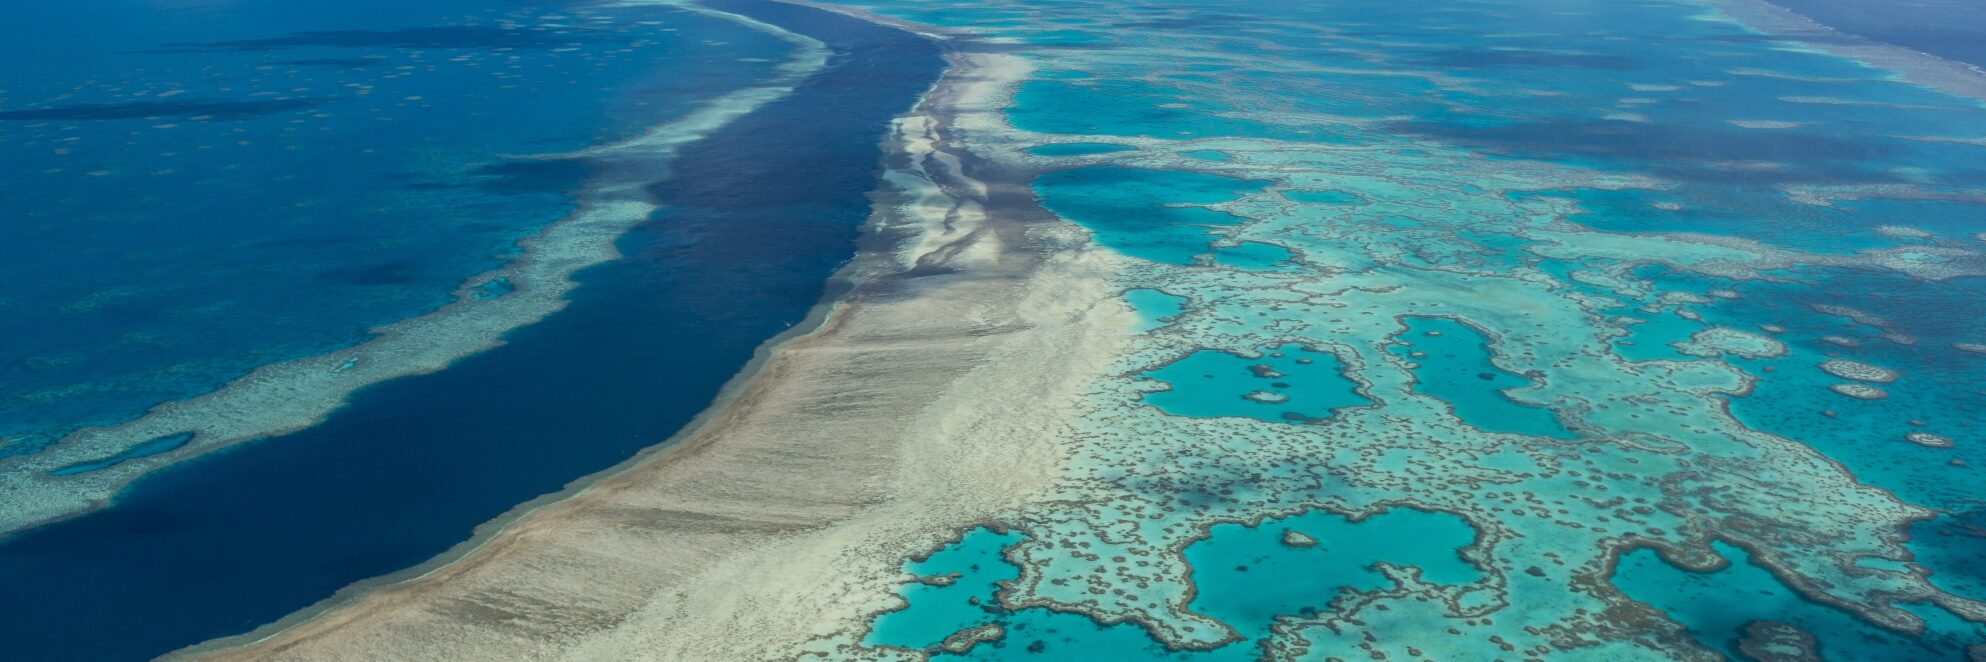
[755, 219]
[1585, 329]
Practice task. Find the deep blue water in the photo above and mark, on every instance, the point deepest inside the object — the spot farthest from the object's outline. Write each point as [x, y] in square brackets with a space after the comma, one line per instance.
[765, 211]
[1717, 606]
[189, 190]
[1950, 29]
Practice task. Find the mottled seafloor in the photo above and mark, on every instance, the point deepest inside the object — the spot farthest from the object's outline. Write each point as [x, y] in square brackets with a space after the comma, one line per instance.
[1333, 330]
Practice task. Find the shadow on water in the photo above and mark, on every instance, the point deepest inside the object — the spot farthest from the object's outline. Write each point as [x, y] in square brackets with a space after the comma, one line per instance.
[526, 176]
[228, 542]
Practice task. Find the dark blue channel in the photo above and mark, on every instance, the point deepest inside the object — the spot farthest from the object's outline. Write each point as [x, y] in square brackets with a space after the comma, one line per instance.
[759, 216]
[1950, 29]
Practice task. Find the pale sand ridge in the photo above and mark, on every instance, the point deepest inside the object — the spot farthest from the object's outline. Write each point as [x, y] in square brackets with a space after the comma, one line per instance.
[927, 401]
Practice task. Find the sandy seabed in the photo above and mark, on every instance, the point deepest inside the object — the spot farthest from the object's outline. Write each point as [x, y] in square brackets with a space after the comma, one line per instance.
[926, 399]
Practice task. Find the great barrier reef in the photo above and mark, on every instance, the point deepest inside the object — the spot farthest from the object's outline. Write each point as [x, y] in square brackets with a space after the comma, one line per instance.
[1058, 330]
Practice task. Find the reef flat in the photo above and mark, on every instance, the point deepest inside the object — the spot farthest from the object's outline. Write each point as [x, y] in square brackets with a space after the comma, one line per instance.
[1655, 289]
[847, 448]
[1360, 330]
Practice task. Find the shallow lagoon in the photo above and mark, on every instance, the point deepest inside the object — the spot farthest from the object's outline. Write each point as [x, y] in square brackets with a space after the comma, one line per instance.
[1670, 224]
[1248, 577]
[1286, 383]
[1453, 362]
[1144, 212]
[1155, 308]
[1078, 149]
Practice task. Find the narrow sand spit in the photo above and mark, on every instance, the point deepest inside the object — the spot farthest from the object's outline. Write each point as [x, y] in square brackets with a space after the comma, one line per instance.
[925, 401]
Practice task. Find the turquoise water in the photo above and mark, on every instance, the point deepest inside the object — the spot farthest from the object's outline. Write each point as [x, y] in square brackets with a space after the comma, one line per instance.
[976, 569]
[1078, 149]
[1324, 197]
[1286, 383]
[1142, 212]
[1673, 225]
[1155, 308]
[1254, 256]
[1248, 577]
[1453, 362]
[974, 566]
